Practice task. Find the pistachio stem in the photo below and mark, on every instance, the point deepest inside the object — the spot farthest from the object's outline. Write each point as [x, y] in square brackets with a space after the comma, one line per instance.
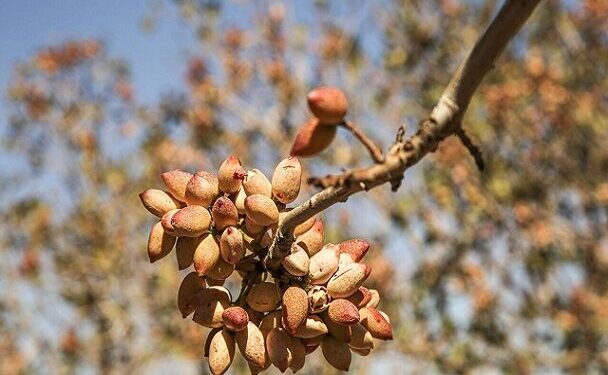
[374, 151]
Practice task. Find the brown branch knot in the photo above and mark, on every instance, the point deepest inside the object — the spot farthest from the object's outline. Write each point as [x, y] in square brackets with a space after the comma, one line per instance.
[342, 180]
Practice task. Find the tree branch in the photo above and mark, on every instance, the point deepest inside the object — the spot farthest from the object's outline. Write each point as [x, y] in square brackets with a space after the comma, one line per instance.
[374, 151]
[444, 120]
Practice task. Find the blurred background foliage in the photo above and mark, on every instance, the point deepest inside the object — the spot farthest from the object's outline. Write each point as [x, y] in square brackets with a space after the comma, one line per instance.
[504, 271]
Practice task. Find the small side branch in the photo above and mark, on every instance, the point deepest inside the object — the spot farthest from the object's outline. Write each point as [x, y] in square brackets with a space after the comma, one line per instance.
[374, 151]
[471, 147]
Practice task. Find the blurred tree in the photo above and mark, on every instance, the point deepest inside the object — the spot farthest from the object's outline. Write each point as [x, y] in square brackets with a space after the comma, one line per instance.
[504, 270]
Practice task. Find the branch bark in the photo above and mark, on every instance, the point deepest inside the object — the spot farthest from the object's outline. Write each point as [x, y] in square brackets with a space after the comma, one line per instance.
[444, 120]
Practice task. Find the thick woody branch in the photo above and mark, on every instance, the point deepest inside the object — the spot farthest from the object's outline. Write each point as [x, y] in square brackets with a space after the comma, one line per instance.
[444, 120]
[374, 151]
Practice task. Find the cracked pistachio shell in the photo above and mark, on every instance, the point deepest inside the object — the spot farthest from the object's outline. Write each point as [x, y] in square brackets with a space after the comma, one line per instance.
[254, 370]
[312, 138]
[239, 200]
[336, 353]
[184, 251]
[297, 351]
[300, 228]
[324, 264]
[374, 299]
[286, 180]
[264, 297]
[214, 282]
[328, 104]
[361, 338]
[313, 326]
[232, 246]
[339, 331]
[312, 239]
[356, 248]
[345, 260]
[261, 210]
[385, 315]
[229, 180]
[304, 227]
[224, 213]
[212, 302]
[176, 181]
[188, 293]
[285, 351]
[318, 299]
[297, 262]
[202, 189]
[221, 270]
[270, 321]
[277, 345]
[235, 318]
[251, 345]
[313, 341]
[158, 202]
[221, 352]
[206, 255]
[166, 222]
[254, 316]
[347, 281]
[311, 348]
[210, 335]
[255, 182]
[376, 323]
[159, 243]
[361, 352]
[294, 308]
[361, 297]
[191, 221]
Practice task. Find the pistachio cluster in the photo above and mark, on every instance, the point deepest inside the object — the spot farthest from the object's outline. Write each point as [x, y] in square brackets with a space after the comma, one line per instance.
[227, 222]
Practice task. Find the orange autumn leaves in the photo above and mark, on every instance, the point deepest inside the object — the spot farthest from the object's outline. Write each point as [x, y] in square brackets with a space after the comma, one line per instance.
[66, 55]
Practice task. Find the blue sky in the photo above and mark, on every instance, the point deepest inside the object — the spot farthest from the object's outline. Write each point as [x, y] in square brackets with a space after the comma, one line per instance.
[156, 58]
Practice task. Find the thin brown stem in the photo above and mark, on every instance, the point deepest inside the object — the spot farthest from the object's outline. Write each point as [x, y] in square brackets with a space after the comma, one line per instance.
[444, 120]
[473, 149]
[374, 151]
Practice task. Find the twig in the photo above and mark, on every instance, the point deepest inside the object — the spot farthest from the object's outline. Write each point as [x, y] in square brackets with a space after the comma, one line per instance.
[471, 147]
[444, 120]
[400, 134]
[374, 151]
